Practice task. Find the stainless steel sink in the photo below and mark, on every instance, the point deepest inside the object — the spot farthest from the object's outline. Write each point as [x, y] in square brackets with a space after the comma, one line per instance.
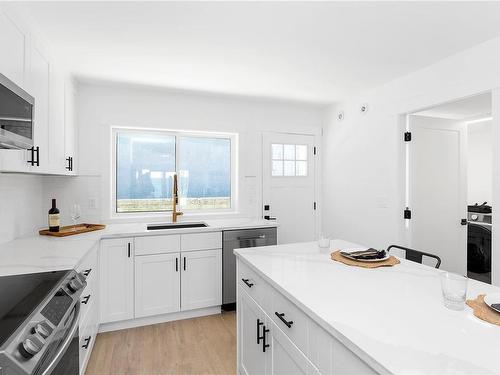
[162, 226]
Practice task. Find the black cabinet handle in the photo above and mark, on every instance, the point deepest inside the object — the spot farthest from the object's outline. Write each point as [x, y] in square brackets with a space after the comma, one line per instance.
[184, 263]
[247, 282]
[264, 345]
[86, 273]
[267, 217]
[259, 337]
[176, 264]
[69, 159]
[282, 318]
[87, 342]
[128, 249]
[85, 299]
[34, 160]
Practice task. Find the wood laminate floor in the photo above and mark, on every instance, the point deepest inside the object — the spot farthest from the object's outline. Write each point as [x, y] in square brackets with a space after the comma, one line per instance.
[205, 345]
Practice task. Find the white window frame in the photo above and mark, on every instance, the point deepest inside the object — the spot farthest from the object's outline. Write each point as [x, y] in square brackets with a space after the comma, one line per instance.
[233, 137]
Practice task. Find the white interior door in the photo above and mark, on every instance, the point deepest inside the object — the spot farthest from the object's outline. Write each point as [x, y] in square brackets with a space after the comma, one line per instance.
[438, 190]
[288, 185]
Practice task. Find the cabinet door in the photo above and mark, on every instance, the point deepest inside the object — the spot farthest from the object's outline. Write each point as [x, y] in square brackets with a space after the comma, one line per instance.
[56, 120]
[70, 120]
[13, 43]
[251, 320]
[201, 279]
[39, 83]
[286, 358]
[117, 279]
[157, 284]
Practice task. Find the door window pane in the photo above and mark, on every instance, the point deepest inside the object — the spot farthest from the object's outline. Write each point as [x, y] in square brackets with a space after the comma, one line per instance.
[301, 168]
[277, 152]
[144, 166]
[204, 172]
[301, 152]
[289, 152]
[277, 168]
[288, 168]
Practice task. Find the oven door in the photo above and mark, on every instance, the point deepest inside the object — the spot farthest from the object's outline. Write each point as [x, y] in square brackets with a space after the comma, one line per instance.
[65, 359]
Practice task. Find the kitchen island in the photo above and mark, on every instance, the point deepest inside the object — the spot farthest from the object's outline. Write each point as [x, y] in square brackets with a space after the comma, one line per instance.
[300, 312]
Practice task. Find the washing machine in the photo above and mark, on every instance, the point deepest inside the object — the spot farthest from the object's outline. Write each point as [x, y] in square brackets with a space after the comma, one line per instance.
[479, 246]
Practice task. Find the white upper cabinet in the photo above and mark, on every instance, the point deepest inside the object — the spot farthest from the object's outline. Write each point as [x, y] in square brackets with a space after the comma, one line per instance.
[29, 65]
[70, 130]
[13, 42]
[39, 88]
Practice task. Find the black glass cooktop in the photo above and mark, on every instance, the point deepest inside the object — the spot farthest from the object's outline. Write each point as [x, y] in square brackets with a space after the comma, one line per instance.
[19, 297]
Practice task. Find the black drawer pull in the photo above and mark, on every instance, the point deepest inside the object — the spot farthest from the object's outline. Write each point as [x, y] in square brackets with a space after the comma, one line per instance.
[176, 264]
[282, 318]
[259, 337]
[86, 273]
[87, 342]
[85, 299]
[247, 282]
[264, 345]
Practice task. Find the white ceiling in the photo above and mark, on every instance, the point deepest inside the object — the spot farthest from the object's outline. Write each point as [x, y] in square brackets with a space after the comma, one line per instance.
[468, 108]
[311, 51]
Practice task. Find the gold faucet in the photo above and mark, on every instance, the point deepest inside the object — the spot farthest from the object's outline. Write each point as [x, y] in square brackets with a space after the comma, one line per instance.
[175, 195]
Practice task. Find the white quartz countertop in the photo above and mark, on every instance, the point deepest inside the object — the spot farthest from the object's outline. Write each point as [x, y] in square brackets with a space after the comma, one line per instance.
[37, 253]
[392, 317]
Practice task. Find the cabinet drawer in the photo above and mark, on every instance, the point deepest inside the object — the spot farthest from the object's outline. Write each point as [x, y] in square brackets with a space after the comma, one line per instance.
[157, 244]
[255, 286]
[88, 265]
[88, 332]
[290, 319]
[201, 241]
[89, 297]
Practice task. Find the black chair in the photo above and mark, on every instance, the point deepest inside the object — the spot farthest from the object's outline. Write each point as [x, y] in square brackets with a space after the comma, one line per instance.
[415, 255]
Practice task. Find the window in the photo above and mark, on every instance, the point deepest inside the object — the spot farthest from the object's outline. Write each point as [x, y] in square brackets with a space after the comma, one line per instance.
[146, 162]
[289, 160]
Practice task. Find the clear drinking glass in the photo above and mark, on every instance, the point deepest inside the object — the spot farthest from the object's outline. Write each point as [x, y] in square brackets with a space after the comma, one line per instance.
[76, 213]
[454, 288]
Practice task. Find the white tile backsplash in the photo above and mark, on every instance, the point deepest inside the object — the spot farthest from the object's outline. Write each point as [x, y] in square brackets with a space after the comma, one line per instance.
[22, 209]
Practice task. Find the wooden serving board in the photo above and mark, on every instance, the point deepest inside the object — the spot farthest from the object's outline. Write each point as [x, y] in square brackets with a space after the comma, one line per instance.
[70, 230]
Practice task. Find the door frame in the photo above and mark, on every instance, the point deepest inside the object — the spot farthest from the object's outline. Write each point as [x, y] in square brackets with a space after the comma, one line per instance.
[317, 165]
[404, 164]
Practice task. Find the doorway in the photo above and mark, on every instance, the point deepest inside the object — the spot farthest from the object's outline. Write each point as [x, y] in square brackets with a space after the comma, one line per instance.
[449, 184]
[289, 185]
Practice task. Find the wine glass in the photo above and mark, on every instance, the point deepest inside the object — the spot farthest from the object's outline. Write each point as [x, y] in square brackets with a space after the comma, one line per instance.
[76, 213]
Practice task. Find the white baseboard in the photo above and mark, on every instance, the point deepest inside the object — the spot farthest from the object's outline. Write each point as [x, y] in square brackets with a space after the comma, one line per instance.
[146, 321]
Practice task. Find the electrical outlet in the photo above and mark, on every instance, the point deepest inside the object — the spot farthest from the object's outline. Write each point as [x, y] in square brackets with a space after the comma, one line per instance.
[92, 204]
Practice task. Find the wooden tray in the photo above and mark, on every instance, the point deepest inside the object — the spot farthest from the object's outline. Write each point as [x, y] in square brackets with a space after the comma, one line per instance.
[70, 230]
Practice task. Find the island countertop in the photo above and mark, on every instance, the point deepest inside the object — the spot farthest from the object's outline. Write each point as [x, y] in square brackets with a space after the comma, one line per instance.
[392, 317]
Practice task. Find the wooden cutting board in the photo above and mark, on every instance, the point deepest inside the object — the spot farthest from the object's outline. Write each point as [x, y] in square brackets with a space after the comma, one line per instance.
[71, 230]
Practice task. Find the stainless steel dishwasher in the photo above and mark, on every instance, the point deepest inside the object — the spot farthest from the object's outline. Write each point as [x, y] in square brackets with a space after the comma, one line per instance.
[237, 239]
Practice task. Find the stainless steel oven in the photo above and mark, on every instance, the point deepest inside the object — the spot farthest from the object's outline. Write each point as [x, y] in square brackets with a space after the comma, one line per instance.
[39, 323]
[16, 116]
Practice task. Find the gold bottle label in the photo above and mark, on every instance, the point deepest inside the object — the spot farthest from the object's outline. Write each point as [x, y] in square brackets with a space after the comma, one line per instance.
[54, 220]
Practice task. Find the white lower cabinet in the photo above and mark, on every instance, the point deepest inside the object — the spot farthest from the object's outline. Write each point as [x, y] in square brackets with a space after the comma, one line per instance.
[157, 284]
[117, 279]
[151, 276]
[251, 322]
[275, 337]
[263, 348]
[201, 279]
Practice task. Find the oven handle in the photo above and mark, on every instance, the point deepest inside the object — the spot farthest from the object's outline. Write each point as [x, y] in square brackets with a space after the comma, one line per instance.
[66, 343]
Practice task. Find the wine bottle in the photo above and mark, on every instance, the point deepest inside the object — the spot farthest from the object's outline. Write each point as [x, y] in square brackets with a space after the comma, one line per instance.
[54, 218]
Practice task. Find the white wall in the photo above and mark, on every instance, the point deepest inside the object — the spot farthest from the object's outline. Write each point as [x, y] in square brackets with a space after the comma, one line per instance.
[101, 106]
[364, 154]
[479, 162]
[23, 209]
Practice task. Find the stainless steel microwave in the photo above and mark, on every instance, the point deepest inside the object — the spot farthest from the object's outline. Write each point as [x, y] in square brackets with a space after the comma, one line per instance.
[16, 116]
